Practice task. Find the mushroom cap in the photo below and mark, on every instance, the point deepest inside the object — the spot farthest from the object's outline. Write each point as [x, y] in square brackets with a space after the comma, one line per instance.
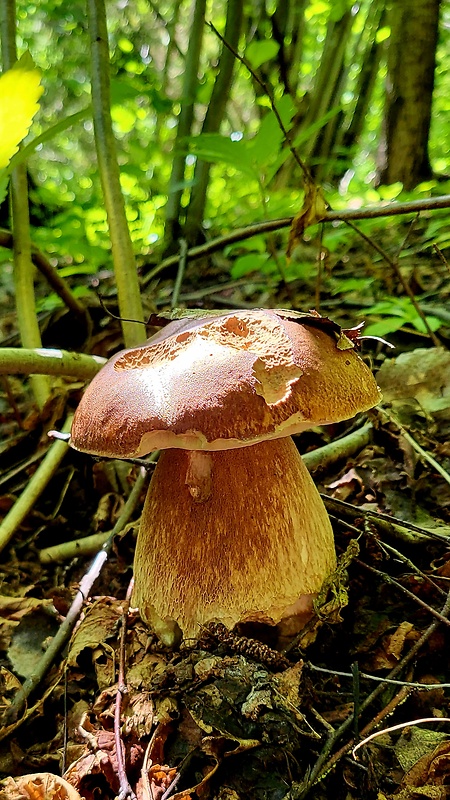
[223, 382]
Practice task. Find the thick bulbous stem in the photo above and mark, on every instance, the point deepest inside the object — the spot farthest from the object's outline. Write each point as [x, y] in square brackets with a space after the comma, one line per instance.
[232, 536]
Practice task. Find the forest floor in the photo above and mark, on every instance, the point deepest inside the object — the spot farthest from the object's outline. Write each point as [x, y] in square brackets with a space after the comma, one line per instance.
[221, 719]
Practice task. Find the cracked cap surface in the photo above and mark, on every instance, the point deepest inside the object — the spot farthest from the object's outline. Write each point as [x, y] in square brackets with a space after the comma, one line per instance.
[222, 382]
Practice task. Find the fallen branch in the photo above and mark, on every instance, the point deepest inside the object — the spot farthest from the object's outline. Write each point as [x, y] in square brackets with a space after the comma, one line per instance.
[325, 457]
[85, 588]
[241, 234]
[34, 488]
[42, 361]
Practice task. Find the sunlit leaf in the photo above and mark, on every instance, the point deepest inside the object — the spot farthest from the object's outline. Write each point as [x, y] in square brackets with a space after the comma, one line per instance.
[20, 91]
[258, 53]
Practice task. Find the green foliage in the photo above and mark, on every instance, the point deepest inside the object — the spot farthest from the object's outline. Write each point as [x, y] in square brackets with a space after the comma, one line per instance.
[394, 314]
[253, 175]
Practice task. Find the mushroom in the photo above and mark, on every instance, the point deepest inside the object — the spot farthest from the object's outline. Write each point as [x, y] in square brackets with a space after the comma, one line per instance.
[233, 528]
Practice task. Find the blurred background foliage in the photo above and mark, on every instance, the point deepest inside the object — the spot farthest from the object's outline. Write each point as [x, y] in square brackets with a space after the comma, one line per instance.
[329, 69]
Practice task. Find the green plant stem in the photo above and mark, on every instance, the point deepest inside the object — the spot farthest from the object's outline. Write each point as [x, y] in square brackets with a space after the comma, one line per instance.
[22, 361]
[89, 545]
[34, 488]
[23, 268]
[186, 116]
[214, 116]
[327, 456]
[46, 269]
[128, 292]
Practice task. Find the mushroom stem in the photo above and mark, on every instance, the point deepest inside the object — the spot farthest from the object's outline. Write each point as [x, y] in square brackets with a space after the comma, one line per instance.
[240, 537]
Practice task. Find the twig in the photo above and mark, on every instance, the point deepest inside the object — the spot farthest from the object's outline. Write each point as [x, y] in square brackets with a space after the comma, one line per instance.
[268, 91]
[125, 788]
[389, 709]
[90, 544]
[180, 274]
[241, 234]
[48, 361]
[85, 588]
[384, 522]
[322, 766]
[416, 446]
[442, 257]
[397, 728]
[35, 487]
[388, 579]
[324, 457]
[399, 275]
[384, 546]
[365, 676]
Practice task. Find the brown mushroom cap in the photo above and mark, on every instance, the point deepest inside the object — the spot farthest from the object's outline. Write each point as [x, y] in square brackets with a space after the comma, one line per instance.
[222, 382]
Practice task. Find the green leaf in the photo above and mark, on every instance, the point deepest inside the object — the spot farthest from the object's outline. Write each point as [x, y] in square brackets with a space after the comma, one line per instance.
[266, 145]
[384, 326]
[220, 149]
[20, 91]
[258, 53]
[251, 262]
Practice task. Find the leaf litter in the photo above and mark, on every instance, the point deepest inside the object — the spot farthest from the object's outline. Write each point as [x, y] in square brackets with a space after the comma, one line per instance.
[226, 718]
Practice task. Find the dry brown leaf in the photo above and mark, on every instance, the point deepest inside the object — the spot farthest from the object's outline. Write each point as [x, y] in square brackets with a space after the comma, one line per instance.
[389, 654]
[38, 786]
[313, 210]
[99, 624]
[13, 609]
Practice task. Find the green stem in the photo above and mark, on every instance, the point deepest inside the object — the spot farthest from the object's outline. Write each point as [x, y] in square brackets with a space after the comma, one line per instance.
[186, 116]
[41, 361]
[34, 488]
[128, 292]
[23, 268]
[49, 272]
[214, 116]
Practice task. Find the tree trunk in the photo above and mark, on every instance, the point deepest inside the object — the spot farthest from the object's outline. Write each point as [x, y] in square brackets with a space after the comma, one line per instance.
[213, 118]
[366, 80]
[409, 92]
[185, 119]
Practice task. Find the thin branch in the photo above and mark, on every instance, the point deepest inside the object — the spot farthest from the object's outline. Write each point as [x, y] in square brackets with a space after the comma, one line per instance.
[85, 588]
[322, 766]
[365, 676]
[399, 727]
[125, 788]
[399, 275]
[180, 274]
[34, 488]
[47, 269]
[267, 89]
[241, 234]
[392, 582]
[47, 361]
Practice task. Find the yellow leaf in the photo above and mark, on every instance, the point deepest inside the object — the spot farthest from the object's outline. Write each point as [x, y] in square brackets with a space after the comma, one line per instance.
[20, 91]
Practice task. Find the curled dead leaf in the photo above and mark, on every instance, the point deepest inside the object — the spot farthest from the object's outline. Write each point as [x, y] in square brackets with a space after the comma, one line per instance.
[313, 210]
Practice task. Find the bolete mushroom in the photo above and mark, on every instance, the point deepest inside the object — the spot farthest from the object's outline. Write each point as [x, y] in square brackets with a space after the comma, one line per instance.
[233, 528]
